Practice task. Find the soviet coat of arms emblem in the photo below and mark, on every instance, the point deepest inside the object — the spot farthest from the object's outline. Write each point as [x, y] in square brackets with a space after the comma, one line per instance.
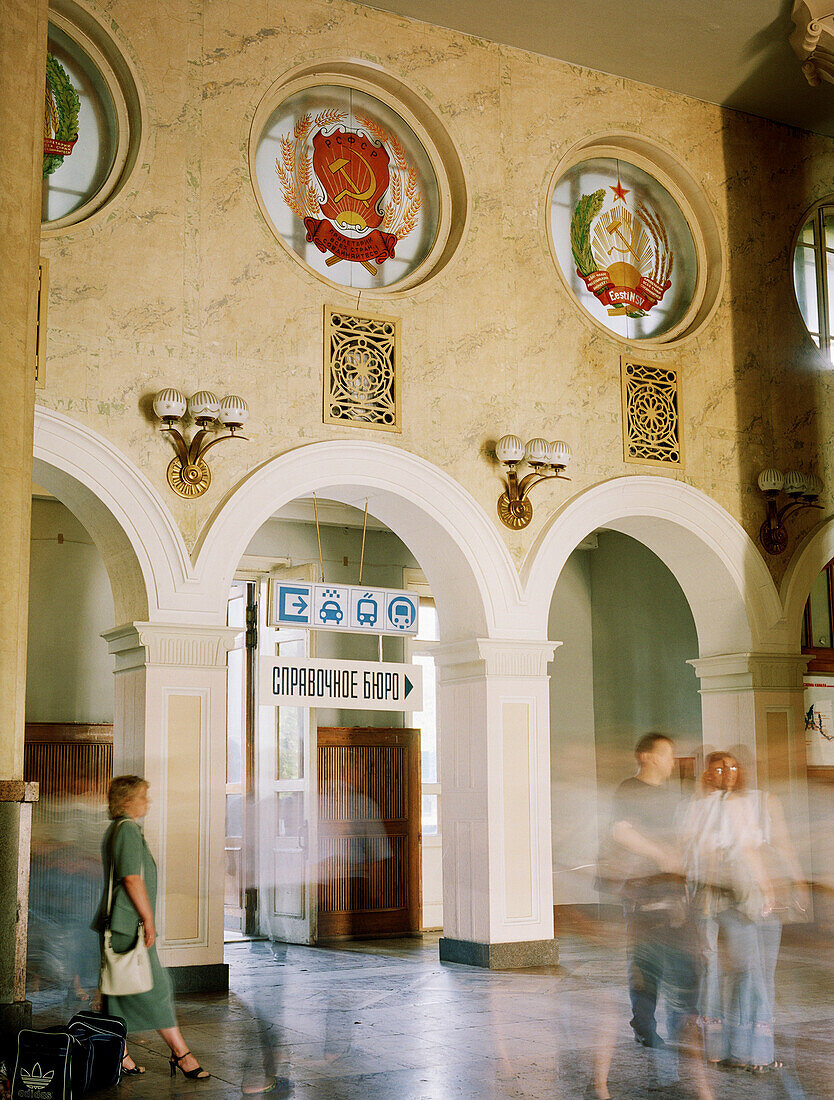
[356, 190]
[622, 255]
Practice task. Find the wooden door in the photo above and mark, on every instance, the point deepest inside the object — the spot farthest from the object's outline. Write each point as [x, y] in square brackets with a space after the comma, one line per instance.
[369, 831]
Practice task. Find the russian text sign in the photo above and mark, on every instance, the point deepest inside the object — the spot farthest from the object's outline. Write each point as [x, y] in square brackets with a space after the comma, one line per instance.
[349, 685]
[345, 607]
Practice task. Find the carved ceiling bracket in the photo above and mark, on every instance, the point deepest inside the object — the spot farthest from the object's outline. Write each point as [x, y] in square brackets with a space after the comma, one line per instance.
[813, 39]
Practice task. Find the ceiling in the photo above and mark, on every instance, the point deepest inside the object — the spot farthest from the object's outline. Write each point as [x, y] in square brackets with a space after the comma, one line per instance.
[731, 52]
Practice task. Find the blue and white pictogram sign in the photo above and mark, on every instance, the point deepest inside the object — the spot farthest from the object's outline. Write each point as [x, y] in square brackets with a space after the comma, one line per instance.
[367, 608]
[401, 612]
[293, 604]
[331, 604]
[344, 607]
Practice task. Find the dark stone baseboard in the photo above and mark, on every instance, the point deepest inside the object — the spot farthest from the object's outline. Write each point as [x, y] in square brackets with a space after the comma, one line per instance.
[211, 978]
[500, 956]
[13, 1017]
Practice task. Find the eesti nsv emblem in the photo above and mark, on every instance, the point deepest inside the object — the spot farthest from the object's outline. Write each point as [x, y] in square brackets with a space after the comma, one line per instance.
[622, 255]
[356, 190]
[60, 120]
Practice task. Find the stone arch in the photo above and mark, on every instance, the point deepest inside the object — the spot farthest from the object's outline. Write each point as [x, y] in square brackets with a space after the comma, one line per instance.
[467, 565]
[144, 553]
[726, 582]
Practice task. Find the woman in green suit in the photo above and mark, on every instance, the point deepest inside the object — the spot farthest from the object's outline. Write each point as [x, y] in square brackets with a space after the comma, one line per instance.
[134, 899]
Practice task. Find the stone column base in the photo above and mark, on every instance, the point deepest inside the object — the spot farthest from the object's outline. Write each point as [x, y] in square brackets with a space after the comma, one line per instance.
[13, 1017]
[500, 956]
[208, 978]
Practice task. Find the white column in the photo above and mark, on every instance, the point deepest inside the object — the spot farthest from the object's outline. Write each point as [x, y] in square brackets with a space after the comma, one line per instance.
[170, 727]
[494, 728]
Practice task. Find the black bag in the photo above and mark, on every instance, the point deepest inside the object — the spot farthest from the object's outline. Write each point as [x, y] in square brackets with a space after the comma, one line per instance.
[81, 1060]
[43, 1066]
[106, 1037]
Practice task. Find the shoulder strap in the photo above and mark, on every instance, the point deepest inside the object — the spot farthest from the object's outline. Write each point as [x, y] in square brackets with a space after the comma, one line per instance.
[110, 882]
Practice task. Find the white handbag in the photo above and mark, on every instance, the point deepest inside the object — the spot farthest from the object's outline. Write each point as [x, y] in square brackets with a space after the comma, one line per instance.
[127, 972]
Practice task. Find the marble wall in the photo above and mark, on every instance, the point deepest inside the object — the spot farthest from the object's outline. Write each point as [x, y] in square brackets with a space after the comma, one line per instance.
[180, 281]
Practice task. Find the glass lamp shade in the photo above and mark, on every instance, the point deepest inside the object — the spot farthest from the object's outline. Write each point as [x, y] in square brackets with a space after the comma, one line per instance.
[771, 481]
[169, 404]
[233, 411]
[794, 482]
[538, 452]
[203, 406]
[561, 454]
[509, 449]
[813, 486]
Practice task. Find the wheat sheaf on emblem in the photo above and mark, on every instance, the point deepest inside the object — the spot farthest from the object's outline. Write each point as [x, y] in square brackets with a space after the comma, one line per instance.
[356, 190]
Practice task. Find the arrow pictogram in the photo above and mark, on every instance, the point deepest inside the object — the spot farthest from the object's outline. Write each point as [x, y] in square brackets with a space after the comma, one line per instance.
[409, 687]
[300, 605]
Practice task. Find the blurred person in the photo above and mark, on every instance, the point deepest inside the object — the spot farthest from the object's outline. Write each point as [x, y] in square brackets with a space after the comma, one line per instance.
[662, 944]
[66, 834]
[738, 856]
[134, 898]
[352, 842]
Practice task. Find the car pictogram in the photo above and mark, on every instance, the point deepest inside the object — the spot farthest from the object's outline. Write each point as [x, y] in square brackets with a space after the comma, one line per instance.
[330, 612]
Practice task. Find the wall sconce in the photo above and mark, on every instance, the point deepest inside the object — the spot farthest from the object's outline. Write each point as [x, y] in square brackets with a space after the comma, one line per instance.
[801, 490]
[188, 472]
[548, 461]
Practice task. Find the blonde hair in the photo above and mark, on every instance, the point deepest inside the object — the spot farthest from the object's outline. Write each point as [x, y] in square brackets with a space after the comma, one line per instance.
[121, 792]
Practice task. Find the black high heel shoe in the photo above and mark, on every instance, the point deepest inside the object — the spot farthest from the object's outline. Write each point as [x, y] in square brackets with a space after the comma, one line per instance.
[198, 1074]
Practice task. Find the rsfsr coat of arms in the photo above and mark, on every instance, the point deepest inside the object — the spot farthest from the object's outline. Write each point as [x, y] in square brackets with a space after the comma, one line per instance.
[356, 190]
[622, 256]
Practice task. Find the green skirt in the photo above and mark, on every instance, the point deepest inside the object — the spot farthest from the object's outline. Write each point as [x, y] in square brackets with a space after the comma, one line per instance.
[144, 1011]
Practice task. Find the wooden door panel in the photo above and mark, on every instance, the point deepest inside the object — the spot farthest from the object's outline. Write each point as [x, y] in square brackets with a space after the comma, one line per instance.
[369, 831]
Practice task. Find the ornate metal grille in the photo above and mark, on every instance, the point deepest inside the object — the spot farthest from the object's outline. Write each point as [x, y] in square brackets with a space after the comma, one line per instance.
[651, 414]
[361, 370]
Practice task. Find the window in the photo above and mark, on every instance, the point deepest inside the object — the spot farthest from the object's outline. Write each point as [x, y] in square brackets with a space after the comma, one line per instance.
[813, 276]
[818, 623]
[92, 118]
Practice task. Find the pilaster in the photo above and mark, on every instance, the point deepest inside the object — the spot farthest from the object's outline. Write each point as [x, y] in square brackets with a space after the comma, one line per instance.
[494, 767]
[170, 727]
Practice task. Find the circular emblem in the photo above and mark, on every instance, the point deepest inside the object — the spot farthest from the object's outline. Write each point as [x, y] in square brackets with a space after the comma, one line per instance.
[624, 247]
[348, 186]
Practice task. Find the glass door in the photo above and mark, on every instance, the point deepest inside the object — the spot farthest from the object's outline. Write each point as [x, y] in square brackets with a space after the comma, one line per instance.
[234, 907]
[286, 794]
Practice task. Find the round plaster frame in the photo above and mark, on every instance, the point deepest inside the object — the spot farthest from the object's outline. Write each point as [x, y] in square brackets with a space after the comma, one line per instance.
[443, 155]
[79, 24]
[671, 174]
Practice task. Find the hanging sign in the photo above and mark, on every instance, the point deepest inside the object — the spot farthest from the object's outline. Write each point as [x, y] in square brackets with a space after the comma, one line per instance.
[348, 685]
[345, 607]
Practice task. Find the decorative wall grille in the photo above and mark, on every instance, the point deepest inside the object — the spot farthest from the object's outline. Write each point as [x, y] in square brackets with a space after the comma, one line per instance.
[651, 414]
[361, 370]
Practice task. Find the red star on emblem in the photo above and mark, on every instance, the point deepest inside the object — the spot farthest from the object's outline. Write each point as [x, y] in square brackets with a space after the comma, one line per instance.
[620, 191]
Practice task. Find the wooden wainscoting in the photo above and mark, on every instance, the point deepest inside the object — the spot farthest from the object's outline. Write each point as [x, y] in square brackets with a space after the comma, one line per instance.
[369, 831]
[63, 757]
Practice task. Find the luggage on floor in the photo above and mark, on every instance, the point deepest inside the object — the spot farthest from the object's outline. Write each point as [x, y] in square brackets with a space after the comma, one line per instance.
[106, 1037]
[44, 1064]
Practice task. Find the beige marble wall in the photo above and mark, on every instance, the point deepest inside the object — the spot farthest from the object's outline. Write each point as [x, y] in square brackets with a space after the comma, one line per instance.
[183, 283]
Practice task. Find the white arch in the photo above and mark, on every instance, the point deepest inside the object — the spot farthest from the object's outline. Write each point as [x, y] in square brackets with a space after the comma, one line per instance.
[814, 552]
[725, 580]
[143, 550]
[468, 566]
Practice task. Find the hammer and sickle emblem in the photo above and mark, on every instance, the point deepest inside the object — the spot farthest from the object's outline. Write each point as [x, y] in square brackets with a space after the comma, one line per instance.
[628, 245]
[339, 168]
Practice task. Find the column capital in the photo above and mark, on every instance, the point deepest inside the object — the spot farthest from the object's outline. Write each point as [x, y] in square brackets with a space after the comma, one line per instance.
[501, 657]
[143, 645]
[729, 672]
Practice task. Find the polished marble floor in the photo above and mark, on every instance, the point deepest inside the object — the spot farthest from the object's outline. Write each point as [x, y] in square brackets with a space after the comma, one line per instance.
[386, 1021]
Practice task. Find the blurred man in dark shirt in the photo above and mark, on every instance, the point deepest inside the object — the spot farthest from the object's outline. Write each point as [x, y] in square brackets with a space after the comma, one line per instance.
[643, 826]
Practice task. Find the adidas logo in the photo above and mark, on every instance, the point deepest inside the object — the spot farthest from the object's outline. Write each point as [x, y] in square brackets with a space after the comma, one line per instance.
[35, 1078]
